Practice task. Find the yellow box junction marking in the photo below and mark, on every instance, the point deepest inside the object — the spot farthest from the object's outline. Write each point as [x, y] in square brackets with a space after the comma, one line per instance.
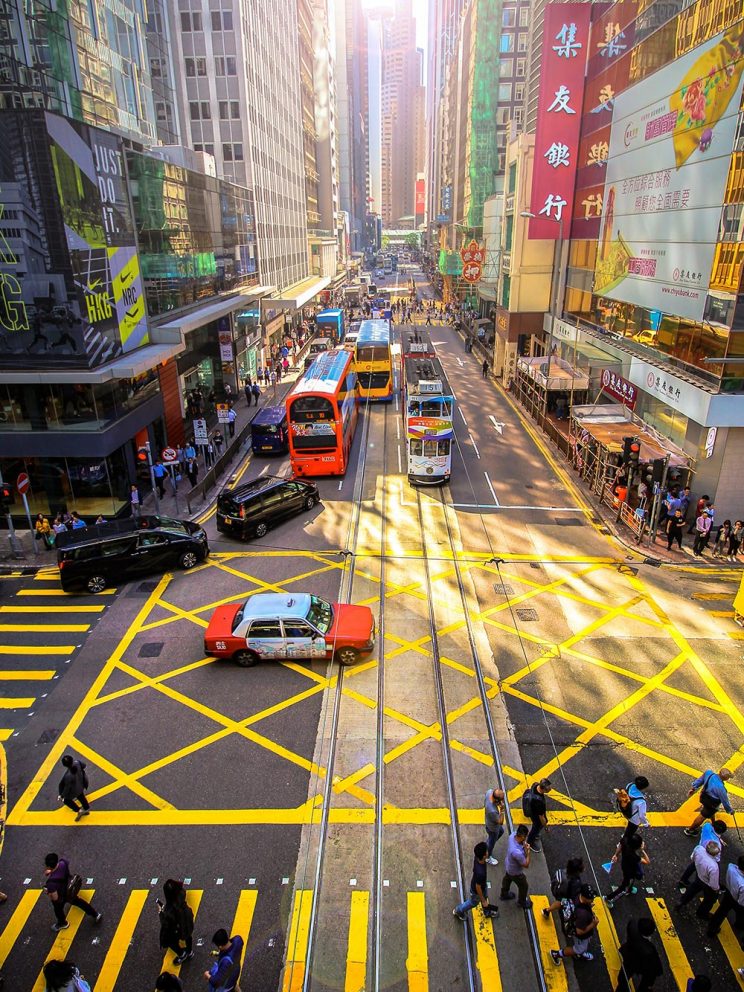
[120, 941]
[356, 948]
[299, 932]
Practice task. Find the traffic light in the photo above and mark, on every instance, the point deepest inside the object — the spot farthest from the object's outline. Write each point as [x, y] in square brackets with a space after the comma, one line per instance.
[143, 454]
[657, 469]
[5, 497]
[635, 452]
[627, 441]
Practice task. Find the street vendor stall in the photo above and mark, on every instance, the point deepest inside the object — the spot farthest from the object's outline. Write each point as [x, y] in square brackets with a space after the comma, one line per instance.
[549, 386]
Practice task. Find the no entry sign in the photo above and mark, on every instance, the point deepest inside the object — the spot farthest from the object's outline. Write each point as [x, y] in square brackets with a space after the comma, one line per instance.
[23, 483]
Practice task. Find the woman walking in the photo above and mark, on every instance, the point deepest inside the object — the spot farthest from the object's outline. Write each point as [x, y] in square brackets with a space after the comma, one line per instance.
[176, 921]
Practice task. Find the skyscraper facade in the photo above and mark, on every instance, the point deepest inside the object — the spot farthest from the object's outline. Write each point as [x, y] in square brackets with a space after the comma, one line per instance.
[352, 111]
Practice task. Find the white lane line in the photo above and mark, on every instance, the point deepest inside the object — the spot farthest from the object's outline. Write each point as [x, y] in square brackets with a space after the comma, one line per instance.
[472, 441]
[501, 506]
[463, 417]
[495, 498]
[340, 485]
[397, 430]
[400, 464]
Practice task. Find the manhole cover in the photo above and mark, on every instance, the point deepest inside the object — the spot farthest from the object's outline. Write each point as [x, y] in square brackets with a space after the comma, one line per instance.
[503, 590]
[526, 615]
[49, 736]
[152, 649]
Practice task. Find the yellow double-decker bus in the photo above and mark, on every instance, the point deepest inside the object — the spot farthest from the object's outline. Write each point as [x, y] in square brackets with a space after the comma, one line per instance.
[373, 360]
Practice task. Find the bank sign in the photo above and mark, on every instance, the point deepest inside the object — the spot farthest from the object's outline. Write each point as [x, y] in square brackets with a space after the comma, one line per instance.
[670, 148]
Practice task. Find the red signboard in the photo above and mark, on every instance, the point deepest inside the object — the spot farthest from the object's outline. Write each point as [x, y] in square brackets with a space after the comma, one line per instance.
[620, 389]
[420, 197]
[565, 46]
[472, 256]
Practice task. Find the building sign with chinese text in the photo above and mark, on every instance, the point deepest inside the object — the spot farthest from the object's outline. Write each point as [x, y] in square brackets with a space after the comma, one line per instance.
[472, 256]
[619, 389]
[670, 148]
[566, 34]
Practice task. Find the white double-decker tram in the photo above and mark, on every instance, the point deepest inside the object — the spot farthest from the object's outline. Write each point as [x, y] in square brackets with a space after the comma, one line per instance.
[428, 411]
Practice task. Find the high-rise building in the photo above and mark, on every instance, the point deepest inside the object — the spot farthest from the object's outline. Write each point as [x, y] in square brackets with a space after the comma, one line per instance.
[242, 104]
[352, 110]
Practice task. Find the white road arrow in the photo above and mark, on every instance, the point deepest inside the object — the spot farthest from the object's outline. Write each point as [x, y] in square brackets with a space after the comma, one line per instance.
[499, 426]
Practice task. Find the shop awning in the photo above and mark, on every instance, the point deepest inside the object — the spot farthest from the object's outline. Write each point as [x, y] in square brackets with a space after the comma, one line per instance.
[206, 314]
[609, 424]
[124, 367]
[562, 375]
[295, 297]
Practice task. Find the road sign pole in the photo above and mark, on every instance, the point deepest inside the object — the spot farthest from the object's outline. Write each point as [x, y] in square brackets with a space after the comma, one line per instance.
[152, 478]
[12, 539]
[35, 543]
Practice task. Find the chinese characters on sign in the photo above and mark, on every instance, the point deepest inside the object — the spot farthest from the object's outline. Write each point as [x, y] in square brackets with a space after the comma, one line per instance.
[559, 118]
[620, 389]
[472, 256]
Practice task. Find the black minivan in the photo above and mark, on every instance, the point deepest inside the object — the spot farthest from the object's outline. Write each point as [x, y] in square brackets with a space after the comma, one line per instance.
[100, 555]
[249, 510]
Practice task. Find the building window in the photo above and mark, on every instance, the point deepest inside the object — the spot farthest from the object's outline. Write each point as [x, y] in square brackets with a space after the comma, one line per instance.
[519, 92]
[227, 150]
[196, 66]
[522, 42]
[506, 67]
[191, 20]
[156, 68]
[222, 20]
[509, 17]
[518, 115]
[200, 110]
[225, 66]
[238, 151]
[505, 92]
[231, 66]
[507, 42]
[194, 110]
[521, 66]
[223, 110]
[235, 110]
[524, 17]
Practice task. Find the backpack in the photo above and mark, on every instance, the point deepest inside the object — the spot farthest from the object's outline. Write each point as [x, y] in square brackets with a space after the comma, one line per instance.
[567, 914]
[559, 885]
[527, 802]
[624, 801]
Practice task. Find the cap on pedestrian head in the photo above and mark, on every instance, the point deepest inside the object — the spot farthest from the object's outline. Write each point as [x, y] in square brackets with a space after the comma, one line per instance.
[646, 926]
[587, 891]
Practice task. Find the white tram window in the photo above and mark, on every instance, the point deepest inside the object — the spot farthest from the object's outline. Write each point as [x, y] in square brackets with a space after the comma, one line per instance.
[430, 449]
[416, 448]
[443, 447]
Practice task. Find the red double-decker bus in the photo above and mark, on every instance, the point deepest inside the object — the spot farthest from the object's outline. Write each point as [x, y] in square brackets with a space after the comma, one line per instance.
[322, 411]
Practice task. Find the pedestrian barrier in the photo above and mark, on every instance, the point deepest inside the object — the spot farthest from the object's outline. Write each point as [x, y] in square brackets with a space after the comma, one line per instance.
[238, 448]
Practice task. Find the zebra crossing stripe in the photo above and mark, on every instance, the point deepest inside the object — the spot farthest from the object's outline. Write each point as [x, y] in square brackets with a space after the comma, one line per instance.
[121, 940]
[64, 938]
[17, 922]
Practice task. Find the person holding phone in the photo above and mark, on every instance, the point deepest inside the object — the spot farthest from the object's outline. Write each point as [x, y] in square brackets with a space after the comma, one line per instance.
[176, 921]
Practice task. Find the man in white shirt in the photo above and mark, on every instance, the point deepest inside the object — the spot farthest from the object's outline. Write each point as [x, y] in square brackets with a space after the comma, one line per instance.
[731, 898]
[706, 879]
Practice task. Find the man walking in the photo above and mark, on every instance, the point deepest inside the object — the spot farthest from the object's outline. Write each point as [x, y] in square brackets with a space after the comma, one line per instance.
[702, 533]
[158, 474]
[72, 786]
[57, 885]
[699, 507]
[224, 974]
[534, 800]
[256, 390]
[731, 898]
[484, 368]
[712, 830]
[707, 878]
[231, 418]
[192, 470]
[636, 811]
[494, 815]
[478, 886]
[516, 862]
[135, 501]
[640, 957]
[713, 795]
[583, 925]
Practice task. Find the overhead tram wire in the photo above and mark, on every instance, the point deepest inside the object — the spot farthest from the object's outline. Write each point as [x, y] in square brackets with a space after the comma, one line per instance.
[497, 562]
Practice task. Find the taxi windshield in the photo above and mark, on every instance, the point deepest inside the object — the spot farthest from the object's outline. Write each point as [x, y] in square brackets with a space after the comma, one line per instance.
[320, 614]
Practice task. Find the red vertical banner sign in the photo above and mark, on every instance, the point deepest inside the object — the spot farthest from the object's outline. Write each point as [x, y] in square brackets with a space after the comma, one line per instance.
[562, 72]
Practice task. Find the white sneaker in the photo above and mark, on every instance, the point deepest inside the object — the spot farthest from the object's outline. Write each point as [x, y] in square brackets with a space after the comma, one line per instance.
[492, 861]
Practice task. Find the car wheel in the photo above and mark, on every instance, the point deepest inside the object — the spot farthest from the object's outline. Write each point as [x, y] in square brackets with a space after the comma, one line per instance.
[261, 529]
[96, 583]
[309, 502]
[246, 659]
[188, 559]
[347, 656]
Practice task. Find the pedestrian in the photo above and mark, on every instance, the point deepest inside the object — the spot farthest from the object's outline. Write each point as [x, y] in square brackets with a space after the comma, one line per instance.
[176, 921]
[72, 786]
[135, 501]
[684, 502]
[43, 531]
[732, 897]
[701, 983]
[516, 862]
[63, 887]
[231, 418]
[76, 521]
[63, 976]
[58, 526]
[158, 474]
[192, 470]
[100, 519]
[190, 450]
[247, 390]
[582, 925]
[722, 541]
[228, 392]
[256, 390]
[712, 830]
[224, 974]
[702, 532]
[639, 956]
[632, 804]
[675, 529]
[699, 508]
[631, 853]
[706, 881]
[534, 806]
[209, 454]
[494, 816]
[168, 982]
[181, 459]
[737, 533]
[218, 440]
[478, 886]
[272, 377]
[279, 371]
[565, 885]
[713, 795]
[484, 368]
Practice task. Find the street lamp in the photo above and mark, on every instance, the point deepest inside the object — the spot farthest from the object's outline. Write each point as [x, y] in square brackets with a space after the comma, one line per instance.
[555, 278]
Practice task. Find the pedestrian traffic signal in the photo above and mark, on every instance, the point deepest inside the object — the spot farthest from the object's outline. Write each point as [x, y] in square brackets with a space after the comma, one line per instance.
[5, 497]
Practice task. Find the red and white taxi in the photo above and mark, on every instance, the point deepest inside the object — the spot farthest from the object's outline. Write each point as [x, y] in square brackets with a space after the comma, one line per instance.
[298, 625]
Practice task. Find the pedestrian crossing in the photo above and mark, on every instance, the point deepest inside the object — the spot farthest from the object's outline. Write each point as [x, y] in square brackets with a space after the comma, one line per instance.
[41, 629]
[123, 951]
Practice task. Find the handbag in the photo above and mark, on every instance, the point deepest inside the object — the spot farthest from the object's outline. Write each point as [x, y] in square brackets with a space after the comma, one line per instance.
[74, 885]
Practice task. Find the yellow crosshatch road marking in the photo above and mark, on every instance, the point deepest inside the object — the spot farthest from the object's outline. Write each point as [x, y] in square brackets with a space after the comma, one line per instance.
[624, 599]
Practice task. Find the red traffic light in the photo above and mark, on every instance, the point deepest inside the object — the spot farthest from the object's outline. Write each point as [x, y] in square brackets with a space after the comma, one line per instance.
[5, 492]
[142, 454]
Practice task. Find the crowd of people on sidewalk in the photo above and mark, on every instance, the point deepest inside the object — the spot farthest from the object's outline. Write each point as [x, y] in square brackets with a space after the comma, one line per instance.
[572, 899]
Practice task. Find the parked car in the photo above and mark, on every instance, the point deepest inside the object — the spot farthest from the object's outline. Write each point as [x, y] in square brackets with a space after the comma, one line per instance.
[101, 555]
[271, 626]
[250, 509]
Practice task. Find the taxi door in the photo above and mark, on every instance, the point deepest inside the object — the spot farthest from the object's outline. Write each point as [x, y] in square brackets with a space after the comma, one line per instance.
[303, 641]
[266, 638]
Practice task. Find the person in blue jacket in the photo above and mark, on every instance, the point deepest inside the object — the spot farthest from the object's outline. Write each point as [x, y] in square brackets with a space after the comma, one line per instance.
[225, 972]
